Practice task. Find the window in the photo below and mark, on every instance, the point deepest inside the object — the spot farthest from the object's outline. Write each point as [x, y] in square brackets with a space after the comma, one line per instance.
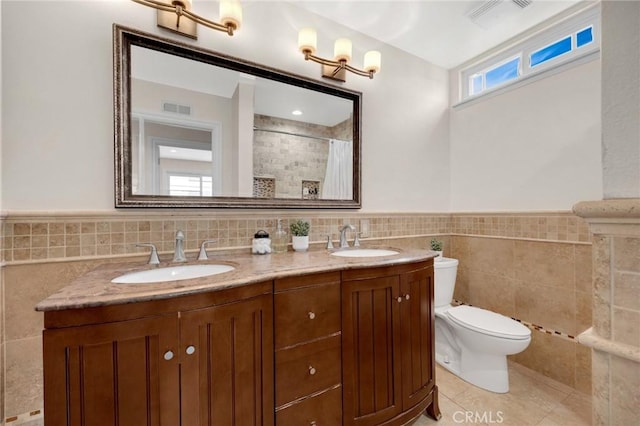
[190, 186]
[549, 52]
[495, 76]
[561, 43]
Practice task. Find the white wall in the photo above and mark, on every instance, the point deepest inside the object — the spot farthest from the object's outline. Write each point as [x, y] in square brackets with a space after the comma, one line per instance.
[621, 99]
[536, 147]
[57, 151]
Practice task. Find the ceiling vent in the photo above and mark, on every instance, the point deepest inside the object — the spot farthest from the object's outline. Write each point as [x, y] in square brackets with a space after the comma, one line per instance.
[488, 13]
[522, 3]
[176, 108]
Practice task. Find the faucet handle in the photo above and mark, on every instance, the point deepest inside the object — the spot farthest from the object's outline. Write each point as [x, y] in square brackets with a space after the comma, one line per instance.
[153, 257]
[203, 251]
[356, 240]
[329, 242]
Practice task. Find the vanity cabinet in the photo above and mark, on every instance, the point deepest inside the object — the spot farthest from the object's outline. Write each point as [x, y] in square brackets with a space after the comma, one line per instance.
[349, 346]
[191, 360]
[388, 344]
[308, 350]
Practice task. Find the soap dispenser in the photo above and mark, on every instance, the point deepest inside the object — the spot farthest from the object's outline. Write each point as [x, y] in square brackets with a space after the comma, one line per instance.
[280, 239]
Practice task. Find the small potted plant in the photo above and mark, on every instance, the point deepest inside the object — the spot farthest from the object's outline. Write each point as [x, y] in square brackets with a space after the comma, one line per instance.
[300, 234]
[436, 245]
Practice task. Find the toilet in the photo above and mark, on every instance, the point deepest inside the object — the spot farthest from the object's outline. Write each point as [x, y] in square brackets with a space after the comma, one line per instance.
[473, 343]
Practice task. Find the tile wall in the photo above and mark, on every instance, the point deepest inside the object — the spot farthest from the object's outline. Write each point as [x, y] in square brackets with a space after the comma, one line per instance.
[615, 335]
[533, 267]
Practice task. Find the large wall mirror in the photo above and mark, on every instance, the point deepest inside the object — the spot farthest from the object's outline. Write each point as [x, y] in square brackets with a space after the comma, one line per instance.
[196, 128]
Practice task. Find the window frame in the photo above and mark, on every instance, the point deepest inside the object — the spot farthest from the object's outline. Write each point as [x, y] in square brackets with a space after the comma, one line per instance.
[569, 26]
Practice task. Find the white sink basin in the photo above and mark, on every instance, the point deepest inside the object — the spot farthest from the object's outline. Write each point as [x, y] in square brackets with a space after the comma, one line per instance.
[171, 273]
[364, 253]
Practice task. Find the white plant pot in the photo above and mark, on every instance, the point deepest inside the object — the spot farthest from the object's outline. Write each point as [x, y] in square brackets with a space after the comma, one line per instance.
[300, 243]
[439, 257]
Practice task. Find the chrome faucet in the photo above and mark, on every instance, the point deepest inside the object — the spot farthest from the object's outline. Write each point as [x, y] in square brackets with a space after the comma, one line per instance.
[178, 254]
[343, 235]
[153, 257]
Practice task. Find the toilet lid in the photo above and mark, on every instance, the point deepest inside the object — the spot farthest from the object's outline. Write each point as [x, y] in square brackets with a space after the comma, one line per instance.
[488, 322]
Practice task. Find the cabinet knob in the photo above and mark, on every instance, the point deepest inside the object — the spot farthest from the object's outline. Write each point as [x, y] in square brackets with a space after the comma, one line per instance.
[312, 370]
[399, 299]
[190, 350]
[407, 297]
[312, 423]
[168, 355]
[312, 315]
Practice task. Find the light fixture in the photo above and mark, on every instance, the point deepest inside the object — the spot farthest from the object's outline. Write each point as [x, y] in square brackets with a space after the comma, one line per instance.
[170, 16]
[336, 68]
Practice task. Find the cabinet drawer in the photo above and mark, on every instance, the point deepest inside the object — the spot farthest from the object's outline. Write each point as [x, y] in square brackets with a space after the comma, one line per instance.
[306, 314]
[306, 369]
[324, 409]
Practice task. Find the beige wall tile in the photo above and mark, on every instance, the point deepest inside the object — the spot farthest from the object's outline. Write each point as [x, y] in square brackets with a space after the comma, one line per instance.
[490, 255]
[583, 268]
[584, 318]
[2, 370]
[26, 285]
[461, 290]
[459, 247]
[627, 254]
[602, 286]
[625, 394]
[600, 375]
[625, 326]
[23, 376]
[545, 263]
[2, 366]
[493, 292]
[583, 369]
[549, 307]
[552, 356]
[626, 292]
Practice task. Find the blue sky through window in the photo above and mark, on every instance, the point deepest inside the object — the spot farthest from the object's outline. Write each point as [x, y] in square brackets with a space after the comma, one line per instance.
[584, 37]
[553, 50]
[505, 72]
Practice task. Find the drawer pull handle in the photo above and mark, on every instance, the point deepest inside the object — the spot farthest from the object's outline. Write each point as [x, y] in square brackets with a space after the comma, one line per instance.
[190, 350]
[312, 370]
[312, 315]
[399, 299]
[168, 355]
[406, 296]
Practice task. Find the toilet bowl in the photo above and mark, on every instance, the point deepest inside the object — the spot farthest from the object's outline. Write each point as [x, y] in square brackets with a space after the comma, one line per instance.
[473, 343]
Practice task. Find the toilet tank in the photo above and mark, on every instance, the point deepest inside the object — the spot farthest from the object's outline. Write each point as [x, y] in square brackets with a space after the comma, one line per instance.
[445, 271]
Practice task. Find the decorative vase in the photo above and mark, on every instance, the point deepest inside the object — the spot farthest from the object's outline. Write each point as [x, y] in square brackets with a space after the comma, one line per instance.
[439, 257]
[300, 243]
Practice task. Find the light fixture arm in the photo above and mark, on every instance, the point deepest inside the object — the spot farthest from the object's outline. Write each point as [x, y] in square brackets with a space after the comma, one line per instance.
[180, 11]
[339, 65]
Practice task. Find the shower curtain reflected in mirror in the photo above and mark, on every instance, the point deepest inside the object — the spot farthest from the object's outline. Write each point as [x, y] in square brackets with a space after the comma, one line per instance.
[338, 181]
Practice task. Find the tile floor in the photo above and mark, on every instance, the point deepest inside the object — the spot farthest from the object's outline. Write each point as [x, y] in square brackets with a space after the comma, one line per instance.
[533, 399]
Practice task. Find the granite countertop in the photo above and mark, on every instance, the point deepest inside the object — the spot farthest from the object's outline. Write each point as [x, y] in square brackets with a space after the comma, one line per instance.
[96, 289]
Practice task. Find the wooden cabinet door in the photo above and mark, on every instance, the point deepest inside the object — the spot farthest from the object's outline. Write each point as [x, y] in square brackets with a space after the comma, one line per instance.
[123, 373]
[417, 324]
[227, 364]
[370, 345]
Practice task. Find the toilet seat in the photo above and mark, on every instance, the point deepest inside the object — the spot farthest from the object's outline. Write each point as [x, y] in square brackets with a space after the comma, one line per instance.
[487, 322]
